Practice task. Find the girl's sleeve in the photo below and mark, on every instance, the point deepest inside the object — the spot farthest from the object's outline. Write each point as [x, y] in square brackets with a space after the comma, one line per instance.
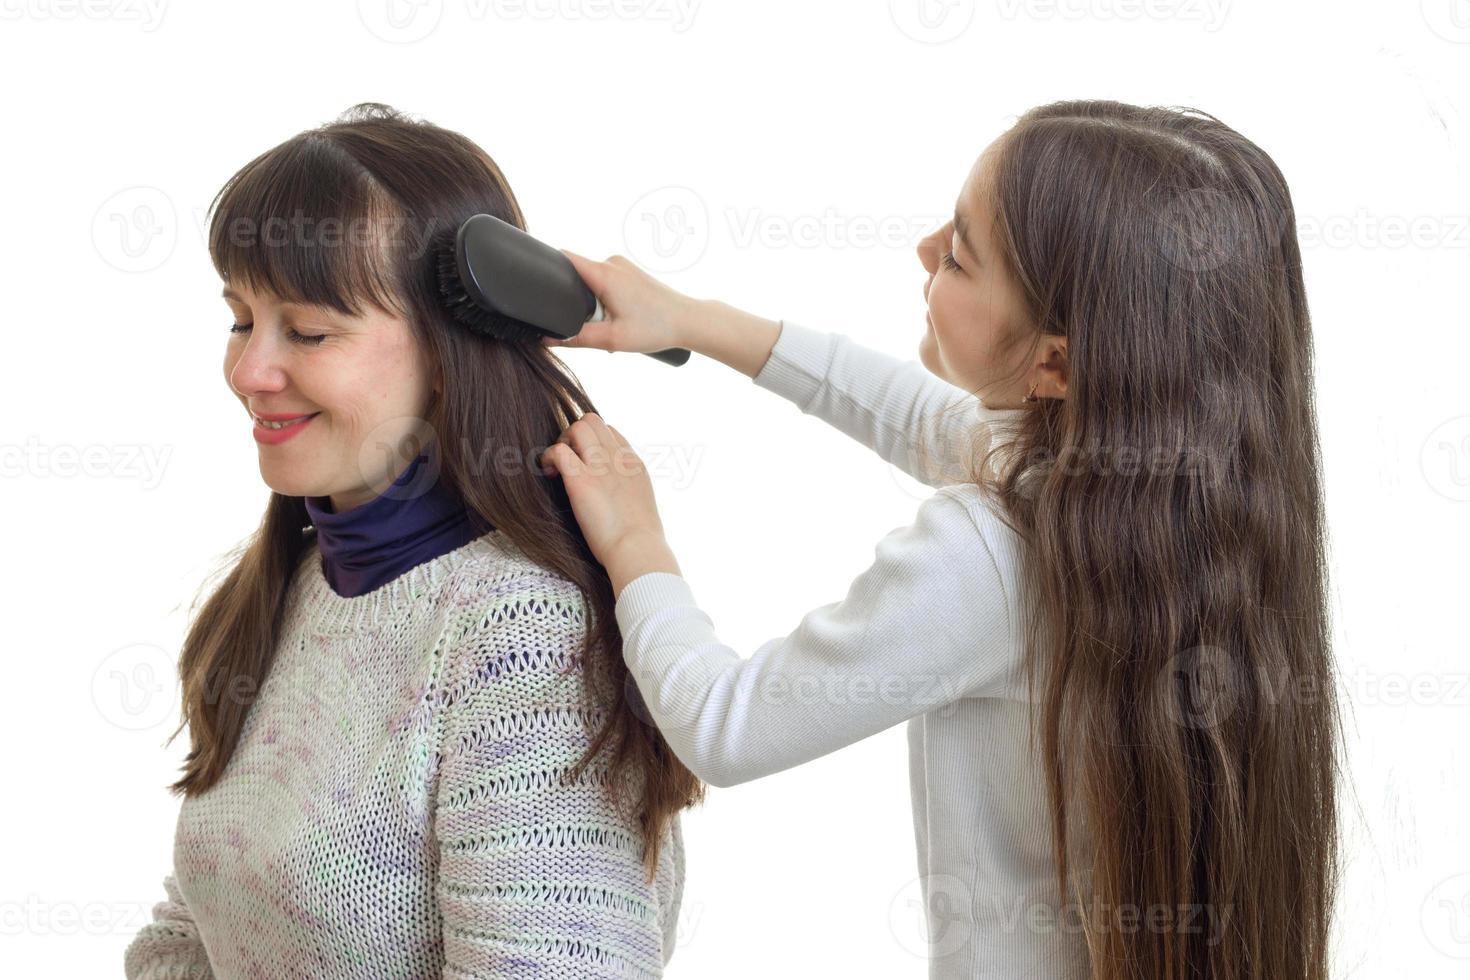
[169, 947]
[914, 420]
[927, 623]
[536, 877]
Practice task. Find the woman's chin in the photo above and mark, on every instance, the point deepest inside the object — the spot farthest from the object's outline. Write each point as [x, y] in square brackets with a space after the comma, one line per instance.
[287, 483]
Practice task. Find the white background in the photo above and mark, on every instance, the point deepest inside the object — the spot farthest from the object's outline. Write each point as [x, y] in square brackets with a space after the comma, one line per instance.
[792, 154]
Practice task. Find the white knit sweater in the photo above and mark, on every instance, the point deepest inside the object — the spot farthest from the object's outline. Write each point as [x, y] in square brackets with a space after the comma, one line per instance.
[929, 633]
[393, 806]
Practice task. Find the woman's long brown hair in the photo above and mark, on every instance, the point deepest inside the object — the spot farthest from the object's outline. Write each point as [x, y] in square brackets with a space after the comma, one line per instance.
[347, 215]
[1171, 505]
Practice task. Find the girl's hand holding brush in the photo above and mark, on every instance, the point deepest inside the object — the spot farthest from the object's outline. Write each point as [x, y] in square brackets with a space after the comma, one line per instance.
[642, 314]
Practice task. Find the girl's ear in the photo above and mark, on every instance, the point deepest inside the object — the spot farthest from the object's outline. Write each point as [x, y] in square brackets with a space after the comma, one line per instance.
[1053, 369]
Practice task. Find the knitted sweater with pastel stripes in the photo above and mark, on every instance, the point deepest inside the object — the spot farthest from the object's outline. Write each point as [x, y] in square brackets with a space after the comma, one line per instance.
[395, 807]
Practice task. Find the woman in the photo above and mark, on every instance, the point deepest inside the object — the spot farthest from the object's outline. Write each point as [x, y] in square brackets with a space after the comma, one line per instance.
[1128, 769]
[411, 749]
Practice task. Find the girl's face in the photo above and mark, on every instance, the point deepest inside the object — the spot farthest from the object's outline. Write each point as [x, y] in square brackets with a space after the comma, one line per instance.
[361, 377]
[977, 313]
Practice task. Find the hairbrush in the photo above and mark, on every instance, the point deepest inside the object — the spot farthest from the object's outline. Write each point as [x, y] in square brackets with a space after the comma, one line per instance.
[501, 282]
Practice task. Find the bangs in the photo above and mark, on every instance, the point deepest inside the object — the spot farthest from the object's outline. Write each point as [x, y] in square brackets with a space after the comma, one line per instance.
[305, 222]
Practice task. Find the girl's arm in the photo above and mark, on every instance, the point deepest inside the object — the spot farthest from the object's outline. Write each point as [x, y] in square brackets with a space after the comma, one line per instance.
[926, 624]
[896, 408]
[169, 947]
[914, 420]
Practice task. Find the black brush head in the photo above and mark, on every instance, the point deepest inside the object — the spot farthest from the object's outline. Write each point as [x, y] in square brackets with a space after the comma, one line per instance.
[465, 311]
[487, 267]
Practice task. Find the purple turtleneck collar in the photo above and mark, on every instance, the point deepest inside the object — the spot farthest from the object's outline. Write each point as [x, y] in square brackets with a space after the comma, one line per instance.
[404, 526]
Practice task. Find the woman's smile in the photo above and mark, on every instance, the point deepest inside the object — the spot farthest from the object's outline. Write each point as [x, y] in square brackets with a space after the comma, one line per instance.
[274, 430]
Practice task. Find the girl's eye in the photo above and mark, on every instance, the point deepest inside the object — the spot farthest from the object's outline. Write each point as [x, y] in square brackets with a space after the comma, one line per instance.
[948, 259]
[295, 338]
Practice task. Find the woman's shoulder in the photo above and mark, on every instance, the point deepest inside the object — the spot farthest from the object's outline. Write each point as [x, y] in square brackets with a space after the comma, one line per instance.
[496, 571]
[511, 622]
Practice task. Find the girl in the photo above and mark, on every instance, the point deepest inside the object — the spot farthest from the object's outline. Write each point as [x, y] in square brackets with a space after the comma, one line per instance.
[1120, 575]
[411, 752]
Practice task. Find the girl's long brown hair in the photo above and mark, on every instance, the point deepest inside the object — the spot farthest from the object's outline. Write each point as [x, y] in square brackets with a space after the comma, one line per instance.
[1171, 504]
[346, 215]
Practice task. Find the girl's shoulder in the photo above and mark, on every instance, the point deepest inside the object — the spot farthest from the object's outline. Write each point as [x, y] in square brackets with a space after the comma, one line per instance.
[984, 514]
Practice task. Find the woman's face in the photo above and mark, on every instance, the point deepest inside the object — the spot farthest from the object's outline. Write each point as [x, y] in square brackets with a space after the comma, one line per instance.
[360, 377]
[977, 311]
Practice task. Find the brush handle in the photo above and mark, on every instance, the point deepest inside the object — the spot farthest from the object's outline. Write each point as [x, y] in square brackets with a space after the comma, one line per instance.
[674, 356]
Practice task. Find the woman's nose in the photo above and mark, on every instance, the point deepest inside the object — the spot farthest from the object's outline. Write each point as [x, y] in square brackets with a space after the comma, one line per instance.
[253, 369]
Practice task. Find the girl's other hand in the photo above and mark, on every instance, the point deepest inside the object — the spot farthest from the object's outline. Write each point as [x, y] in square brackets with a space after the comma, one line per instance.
[612, 498]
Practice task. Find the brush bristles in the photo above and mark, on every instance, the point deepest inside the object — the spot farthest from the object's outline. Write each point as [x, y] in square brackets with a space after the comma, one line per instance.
[466, 312]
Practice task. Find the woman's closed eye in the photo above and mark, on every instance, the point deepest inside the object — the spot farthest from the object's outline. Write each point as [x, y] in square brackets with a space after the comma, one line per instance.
[292, 335]
[948, 259]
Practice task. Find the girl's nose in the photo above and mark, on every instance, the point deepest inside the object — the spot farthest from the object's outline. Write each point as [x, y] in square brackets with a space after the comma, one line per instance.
[929, 252]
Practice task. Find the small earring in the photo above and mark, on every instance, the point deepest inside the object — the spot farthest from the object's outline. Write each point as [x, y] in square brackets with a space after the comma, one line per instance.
[1031, 395]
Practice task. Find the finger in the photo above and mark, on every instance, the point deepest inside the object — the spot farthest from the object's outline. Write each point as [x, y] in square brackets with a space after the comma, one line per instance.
[608, 441]
[615, 438]
[553, 341]
[617, 448]
[593, 273]
[560, 458]
[595, 334]
[565, 439]
[586, 437]
[602, 430]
